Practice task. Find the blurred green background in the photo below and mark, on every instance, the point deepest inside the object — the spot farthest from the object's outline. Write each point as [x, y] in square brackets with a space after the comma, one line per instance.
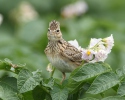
[24, 24]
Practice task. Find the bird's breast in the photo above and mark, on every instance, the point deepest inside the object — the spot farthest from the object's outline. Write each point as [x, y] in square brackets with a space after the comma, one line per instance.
[60, 64]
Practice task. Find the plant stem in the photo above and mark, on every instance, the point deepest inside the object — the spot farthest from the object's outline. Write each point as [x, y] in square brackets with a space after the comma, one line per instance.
[52, 72]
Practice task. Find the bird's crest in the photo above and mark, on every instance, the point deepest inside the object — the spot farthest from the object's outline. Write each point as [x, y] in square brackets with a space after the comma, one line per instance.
[53, 25]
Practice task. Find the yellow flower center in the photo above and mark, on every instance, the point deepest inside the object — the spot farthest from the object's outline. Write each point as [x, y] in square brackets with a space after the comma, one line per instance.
[88, 52]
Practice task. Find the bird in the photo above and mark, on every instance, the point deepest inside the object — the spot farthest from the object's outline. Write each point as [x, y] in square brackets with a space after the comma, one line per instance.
[61, 54]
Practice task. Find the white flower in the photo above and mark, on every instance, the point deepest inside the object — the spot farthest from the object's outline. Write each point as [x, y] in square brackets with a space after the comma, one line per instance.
[75, 44]
[109, 43]
[27, 11]
[100, 55]
[98, 49]
[74, 9]
[24, 13]
[87, 54]
[49, 68]
[94, 42]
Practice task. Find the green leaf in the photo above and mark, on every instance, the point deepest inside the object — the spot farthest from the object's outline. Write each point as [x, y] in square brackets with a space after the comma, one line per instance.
[10, 81]
[103, 82]
[89, 98]
[7, 89]
[7, 64]
[87, 71]
[121, 89]
[90, 70]
[114, 98]
[28, 95]
[28, 81]
[79, 93]
[59, 93]
[121, 71]
[48, 83]
[39, 94]
[48, 97]
[74, 96]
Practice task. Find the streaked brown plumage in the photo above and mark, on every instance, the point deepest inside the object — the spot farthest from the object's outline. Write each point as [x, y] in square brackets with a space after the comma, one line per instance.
[61, 54]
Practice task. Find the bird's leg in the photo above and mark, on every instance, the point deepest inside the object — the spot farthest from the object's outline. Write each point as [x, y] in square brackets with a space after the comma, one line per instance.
[63, 77]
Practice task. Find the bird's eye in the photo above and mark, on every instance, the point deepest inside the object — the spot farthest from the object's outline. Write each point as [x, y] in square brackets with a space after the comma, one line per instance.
[48, 29]
[57, 30]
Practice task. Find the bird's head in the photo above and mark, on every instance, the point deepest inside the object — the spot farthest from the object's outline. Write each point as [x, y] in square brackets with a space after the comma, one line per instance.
[54, 33]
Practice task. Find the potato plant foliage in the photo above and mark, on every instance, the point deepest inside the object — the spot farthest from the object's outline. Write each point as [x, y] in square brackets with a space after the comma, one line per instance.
[90, 81]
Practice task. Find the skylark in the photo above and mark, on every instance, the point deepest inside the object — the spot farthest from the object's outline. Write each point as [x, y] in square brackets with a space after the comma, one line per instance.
[61, 54]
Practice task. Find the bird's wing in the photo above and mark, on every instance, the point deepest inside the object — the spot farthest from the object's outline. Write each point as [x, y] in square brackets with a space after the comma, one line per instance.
[72, 53]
